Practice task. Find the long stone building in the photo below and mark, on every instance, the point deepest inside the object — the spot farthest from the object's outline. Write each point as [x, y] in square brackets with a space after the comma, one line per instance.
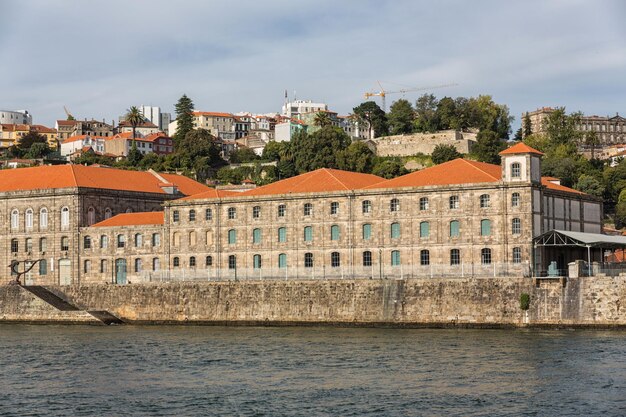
[43, 210]
[460, 218]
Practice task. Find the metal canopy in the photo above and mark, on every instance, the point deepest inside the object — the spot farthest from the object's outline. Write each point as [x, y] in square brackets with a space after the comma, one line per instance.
[586, 240]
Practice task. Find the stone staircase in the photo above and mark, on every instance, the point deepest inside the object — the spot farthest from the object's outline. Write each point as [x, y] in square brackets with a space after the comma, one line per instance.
[63, 305]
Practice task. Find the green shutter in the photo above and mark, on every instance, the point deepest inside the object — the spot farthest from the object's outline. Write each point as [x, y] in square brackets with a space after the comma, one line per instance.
[424, 229]
[334, 232]
[454, 228]
[395, 230]
[282, 260]
[367, 231]
[485, 227]
[308, 234]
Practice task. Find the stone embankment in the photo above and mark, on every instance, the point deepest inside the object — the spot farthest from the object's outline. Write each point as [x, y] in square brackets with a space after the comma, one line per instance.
[485, 302]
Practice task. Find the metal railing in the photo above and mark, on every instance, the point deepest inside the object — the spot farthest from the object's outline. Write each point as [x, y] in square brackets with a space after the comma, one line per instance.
[360, 272]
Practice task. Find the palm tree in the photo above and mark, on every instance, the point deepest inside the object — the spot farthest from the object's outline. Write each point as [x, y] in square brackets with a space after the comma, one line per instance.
[322, 119]
[135, 118]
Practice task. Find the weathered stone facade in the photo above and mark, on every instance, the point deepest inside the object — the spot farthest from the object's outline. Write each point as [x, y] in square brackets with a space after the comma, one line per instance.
[425, 143]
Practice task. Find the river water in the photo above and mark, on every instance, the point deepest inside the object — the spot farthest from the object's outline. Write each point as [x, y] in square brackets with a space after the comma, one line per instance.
[309, 371]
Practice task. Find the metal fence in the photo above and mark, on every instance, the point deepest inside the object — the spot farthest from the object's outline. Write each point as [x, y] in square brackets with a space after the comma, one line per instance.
[373, 272]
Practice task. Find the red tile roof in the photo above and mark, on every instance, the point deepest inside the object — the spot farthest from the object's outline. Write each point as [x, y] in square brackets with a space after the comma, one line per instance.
[458, 171]
[15, 127]
[212, 113]
[82, 137]
[320, 180]
[212, 193]
[71, 176]
[67, 122]
[518, 148]
[154, 136]
[43, 129]
[546, 181]
[133, 219]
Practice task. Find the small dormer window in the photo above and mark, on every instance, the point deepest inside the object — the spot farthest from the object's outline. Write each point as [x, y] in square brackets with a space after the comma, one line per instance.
[516, 170]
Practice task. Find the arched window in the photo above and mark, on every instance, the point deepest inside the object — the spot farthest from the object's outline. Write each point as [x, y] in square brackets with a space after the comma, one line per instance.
[516, 170]
[485, 227]
[308, 233]
[104, 241]
[175, 216]
[395, 258]
[308, 260]
[334, 232]
[516, 226]
[87, 242]
[367, 231]
[176, 239]
[192, 262]
[208, 261]
[87, 266]
[424, 203]
[256, 261]
[138, 240]
[208, 214]
[515, 200]
[334, 207]
[91, 216]
[15, 246]
[103, 266]
[517, 255]
[156, 239]
[192, 238]
[28, 219]
[129, 210]
[256, 236]
[484, 201]
[256, 212]
[43, 244]
[232, 213]
[282, 209]
[282, 260]
[176, 262]
[308, 209]
[192, 215]
[424, 229]
[121, 241]
[43, 267]
[366, 206]
[232, 236]
[282, 234]
[15, 219]
[455, 228]
[29, 244]
[232, 262]
[138, 265]
[395, 230]
[367, 258]
[454, 202]
[485, 256]
[65, 217]
[335, 259]
[394, 205]
[455, 257]
[65, 243]
[209, 237]
[108, 213]
[156, 264]
[43, 218]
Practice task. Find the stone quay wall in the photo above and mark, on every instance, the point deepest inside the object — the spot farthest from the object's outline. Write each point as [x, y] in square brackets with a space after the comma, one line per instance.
[478, 302]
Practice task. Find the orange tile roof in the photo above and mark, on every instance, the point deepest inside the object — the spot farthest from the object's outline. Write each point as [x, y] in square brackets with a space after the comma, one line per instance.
[154, 136]
[212, 193]
[520, 147]
[15, 127]
[71, 176]
[133, 219]
[43, 129]
[67, 122]
[82, 137]
[457, 171]
[546, 181]
[212, 113]
[320, 180]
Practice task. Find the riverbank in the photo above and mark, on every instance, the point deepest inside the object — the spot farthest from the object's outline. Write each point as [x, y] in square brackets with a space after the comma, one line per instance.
[437, 302]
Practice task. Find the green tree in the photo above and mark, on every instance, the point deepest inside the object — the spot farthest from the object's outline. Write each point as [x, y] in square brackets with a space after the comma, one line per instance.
[562, 128]
[271, 151]
[135, 118]
[447, 114]
[134, 155]
[620, 215]
[195, 145]
[518, 135]
[319, 149]
[242, 155]
[444, 153]
[38, 150]
[426, 114]
[184, 118]
[590, 185]
[527, 128]
[372, 116]
[357, 157]
[592, 141]
[400, 117]
[488, 146]
[389, 168]
[322, 119]
[25, 142]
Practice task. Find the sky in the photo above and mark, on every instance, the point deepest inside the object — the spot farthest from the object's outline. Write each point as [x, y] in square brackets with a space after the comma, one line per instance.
[98, 58]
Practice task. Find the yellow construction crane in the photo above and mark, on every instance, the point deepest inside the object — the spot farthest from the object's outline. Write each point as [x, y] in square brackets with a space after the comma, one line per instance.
[382, 93]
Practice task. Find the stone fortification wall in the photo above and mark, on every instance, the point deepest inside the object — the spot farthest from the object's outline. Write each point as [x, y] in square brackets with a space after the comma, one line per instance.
[472, 302]
[407, 145]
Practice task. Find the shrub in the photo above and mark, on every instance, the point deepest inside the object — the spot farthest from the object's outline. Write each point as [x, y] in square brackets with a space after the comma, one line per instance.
[524, 301]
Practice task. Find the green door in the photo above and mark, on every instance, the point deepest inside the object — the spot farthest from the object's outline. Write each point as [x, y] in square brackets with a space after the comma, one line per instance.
[120, 271]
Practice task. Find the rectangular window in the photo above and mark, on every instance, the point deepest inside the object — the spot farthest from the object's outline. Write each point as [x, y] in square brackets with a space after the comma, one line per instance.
[175, 216]
[334, 207]
[485, 227]
[454, 228]
[208, 214]
[424, 257]
[256, 236]
[367, 258]
[424, 229]
[395, 257]
[454, 202]
[308, 260]
[282, 260]
[455, 257]
[282, 209]
[334, 232]
[156, 239]
[424, 203]
[395, 230]
[282, 234]
[308, 234]
[232, 236]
